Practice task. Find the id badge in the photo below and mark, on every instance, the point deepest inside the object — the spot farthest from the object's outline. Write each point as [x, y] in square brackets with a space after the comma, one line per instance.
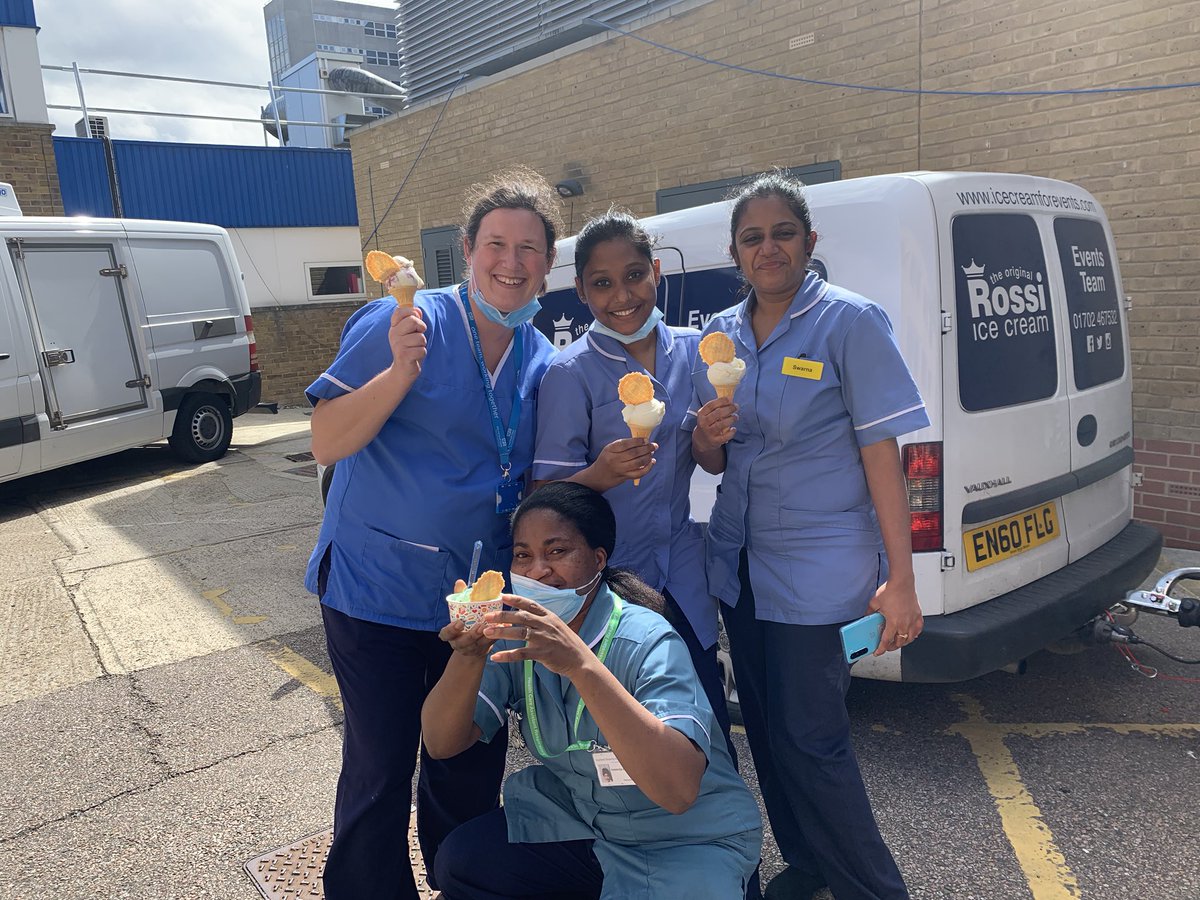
[508, 495]
[609, 770]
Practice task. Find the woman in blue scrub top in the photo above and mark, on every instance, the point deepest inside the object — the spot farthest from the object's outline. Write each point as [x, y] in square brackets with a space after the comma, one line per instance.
[810, 531]
[582, 437]
[636, 797]
[429, 414]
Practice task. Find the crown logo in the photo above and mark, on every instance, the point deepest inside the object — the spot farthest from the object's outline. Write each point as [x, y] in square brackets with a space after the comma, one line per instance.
[560, 324]
[974, 270]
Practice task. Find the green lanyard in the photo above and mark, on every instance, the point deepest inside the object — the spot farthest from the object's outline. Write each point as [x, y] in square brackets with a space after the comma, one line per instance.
[531, 707]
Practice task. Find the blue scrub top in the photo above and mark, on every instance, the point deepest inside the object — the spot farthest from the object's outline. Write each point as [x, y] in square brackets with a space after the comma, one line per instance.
[580, 414]
[404, 512]
[562, 799]
[794, 493]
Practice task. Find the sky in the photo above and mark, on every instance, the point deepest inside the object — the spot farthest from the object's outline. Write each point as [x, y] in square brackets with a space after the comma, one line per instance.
[220, 40]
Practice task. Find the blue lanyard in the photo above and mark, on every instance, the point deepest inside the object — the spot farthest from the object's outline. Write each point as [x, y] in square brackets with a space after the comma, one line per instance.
[504, 440]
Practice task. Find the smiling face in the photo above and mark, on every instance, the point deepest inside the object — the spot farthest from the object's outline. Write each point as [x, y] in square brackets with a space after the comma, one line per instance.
[549, 549]
[509, 261]
[772, 247]
[619, 284]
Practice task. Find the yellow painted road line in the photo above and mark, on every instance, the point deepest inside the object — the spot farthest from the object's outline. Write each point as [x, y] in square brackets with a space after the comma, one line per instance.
[1043, 864]
[295, 665]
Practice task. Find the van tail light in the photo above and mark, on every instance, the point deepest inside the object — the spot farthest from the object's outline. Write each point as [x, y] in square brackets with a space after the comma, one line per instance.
[923, 479]
[253, 343]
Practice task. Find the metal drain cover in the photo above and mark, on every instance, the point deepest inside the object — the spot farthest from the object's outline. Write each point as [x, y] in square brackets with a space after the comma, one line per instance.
[294, 872]
[299, 457]
[310, 470]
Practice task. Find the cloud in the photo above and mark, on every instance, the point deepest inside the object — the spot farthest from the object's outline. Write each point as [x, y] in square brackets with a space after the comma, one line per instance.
[219, 40]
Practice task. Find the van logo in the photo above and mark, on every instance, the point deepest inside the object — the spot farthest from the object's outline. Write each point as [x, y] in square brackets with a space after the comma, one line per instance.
[997, 300]
[563, 335]
[987, 485]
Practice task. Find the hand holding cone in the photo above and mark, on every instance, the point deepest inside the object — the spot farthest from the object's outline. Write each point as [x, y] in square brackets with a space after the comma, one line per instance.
[396, 274]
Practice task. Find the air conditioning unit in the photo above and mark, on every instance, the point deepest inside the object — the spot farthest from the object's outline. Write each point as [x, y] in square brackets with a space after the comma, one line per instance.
[96, 127]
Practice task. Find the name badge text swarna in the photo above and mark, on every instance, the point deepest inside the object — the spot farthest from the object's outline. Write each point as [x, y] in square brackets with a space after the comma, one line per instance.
[803, 368]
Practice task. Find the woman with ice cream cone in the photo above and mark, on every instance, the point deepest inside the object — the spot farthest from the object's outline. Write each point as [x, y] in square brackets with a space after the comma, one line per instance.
[428, 411]
[810, 530]
[611, 406]
[636, 797]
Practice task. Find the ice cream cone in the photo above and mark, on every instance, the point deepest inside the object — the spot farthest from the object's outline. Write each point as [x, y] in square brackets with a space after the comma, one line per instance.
[725, 390]
[639, 432]
[404, 294]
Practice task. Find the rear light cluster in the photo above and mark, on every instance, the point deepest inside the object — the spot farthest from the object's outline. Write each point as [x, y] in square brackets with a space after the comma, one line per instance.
[923, 479]
[253, 343]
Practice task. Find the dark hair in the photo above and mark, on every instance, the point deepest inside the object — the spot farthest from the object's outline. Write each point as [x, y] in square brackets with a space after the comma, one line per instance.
[593, 518]
[517, 188]
[770, 184]
[616, 224]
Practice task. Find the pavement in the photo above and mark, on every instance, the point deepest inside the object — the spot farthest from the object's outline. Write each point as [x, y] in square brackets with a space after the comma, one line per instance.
[167, 711]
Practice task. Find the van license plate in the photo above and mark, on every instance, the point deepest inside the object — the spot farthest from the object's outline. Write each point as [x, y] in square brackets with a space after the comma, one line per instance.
[1010, 536]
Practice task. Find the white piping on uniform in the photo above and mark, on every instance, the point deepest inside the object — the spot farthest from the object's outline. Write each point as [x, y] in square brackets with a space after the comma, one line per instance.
[558, 462]
[489, 702]
[887, 418]
[806, 309]
[694, 719]
[604, 353]
[341, 384]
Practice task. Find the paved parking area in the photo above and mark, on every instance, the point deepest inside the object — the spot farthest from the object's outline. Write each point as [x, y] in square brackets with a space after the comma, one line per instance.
[167, 713]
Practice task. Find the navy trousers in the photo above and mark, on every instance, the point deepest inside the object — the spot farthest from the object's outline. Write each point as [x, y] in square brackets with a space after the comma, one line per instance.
[478, 863]
[707, 670]
[384, 674]
[792, 682]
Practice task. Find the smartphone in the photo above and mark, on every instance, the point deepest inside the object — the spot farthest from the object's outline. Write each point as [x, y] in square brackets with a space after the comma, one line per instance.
[861, 637]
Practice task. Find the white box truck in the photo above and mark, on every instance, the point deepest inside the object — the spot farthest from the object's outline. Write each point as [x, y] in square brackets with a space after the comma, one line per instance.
[1006, 299]
[115, 333]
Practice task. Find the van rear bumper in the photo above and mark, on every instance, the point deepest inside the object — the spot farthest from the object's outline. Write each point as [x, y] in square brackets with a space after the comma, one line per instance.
[1015, 625]
[247, 391]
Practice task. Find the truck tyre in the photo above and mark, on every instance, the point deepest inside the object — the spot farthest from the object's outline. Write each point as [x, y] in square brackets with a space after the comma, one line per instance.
[203, 428]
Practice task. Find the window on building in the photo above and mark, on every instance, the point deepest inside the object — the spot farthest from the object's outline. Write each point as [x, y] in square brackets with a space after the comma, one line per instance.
[381, 58]
[689, 195]
[277, 45]
[380, 29]
[334, 281]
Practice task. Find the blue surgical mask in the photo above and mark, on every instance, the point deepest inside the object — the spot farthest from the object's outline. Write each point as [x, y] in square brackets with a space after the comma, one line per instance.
[651, 320]
[518, 316]
[563, 602]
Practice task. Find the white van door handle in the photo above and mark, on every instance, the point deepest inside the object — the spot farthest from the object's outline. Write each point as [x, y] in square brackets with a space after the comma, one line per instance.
[4, 356]
[144, 381]
[59, 357]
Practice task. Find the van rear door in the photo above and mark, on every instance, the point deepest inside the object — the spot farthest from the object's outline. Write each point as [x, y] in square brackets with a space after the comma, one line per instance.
[90, 360]
[12, 428]
[1099, 382]
[1006, 460]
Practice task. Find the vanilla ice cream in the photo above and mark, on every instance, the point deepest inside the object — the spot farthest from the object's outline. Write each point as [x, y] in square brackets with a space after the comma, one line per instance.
[726, 372]
[645, 415]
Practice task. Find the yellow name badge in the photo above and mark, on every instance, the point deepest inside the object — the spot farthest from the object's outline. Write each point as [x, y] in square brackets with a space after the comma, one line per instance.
[803, 368]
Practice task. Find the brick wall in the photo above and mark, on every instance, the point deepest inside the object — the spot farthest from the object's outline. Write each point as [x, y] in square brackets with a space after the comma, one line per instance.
[630, 119]
[295, 344]
[27, 163]
[1169, 497]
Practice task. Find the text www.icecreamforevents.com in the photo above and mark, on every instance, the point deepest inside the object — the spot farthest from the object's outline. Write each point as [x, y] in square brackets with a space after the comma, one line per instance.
[1024, 198]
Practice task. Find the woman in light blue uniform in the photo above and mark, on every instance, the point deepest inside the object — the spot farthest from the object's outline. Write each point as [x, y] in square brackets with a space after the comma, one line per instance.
[636, 797]
[582, 436]
[429, 414]
[810, 531]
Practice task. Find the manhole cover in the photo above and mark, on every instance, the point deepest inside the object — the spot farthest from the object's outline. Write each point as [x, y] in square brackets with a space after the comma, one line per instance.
[310, 470]
[299, 457]
[294, 872]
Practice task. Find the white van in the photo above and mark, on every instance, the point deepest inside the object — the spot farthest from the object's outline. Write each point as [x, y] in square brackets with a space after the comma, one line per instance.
[1006, 300]
[116, 333]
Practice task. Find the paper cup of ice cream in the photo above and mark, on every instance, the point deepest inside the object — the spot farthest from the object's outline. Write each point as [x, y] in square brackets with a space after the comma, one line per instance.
[469, 612]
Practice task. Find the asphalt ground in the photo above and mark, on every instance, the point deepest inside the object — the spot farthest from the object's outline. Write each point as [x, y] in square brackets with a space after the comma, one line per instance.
[167, 712]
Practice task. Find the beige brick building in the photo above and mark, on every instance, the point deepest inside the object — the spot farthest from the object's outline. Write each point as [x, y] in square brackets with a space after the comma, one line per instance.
[630, 119]
[27, 152]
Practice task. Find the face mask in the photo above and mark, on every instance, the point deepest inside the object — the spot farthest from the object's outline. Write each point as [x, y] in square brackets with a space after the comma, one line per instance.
[651, 320]
[563, 602]
[518, 316]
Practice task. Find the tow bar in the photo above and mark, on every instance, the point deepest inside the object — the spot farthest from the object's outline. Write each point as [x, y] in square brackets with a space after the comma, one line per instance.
[1109, 628]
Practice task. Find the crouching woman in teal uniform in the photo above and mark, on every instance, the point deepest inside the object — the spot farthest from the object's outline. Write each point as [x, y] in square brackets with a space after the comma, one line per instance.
[637, 796]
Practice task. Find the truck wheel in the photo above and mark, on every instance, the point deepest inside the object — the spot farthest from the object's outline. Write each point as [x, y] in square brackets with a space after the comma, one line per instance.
[203, 428]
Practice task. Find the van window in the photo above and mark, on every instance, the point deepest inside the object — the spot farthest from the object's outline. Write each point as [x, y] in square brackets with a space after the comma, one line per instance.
[1005, 313]
[1097, 350]
[182, 276]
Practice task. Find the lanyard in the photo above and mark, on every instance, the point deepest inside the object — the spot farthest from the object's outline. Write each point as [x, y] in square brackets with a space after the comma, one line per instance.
[504, 440]
[535, 729]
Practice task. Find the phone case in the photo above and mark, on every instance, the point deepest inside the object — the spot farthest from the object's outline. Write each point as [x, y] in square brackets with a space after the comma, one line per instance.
[861, 637]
